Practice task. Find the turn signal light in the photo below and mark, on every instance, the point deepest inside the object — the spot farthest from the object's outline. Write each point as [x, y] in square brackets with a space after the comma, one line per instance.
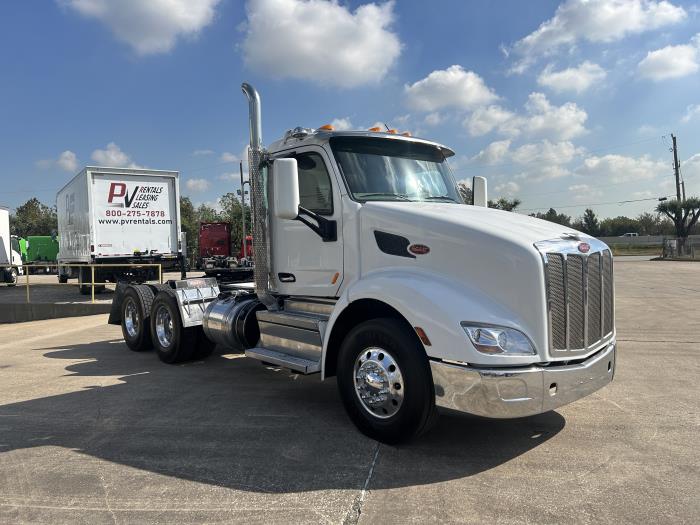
[326, 127]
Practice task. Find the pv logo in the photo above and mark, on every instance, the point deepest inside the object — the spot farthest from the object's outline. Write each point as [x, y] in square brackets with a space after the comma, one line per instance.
[118, 189]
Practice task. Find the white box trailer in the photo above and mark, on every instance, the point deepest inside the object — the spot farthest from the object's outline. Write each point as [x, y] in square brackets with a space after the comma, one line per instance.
[109, 216]
[10, 258]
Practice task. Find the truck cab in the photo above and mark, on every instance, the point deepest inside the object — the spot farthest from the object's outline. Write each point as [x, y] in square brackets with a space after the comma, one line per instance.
[10, 251]
[369, 268]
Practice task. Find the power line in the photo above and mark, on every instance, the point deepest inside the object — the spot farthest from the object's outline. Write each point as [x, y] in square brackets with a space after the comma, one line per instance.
[596, 203]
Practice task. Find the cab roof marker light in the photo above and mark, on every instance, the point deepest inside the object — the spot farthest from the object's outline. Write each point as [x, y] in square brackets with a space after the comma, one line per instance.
[326, 127]
[375, 129]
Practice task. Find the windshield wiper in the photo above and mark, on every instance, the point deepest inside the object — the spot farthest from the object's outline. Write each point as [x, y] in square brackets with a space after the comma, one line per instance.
[398, 196]
[439, 197]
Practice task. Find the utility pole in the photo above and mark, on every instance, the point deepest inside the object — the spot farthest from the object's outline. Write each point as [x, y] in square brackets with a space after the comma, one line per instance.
[676, 168]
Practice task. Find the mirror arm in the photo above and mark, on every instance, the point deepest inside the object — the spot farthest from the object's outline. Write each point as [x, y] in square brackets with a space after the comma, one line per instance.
[326, 229]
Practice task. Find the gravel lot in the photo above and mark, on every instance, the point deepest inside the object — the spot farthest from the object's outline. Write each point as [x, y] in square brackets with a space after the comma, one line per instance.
[93, 433]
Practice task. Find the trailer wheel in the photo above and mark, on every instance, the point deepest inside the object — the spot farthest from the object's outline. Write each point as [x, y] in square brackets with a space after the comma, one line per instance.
[11, 277]
[173, 342]
[62, 278]
[135, 310]
[385, 382]
[83, 278]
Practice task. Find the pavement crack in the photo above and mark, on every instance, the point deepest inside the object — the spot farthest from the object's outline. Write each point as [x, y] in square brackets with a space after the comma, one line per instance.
[353, 515]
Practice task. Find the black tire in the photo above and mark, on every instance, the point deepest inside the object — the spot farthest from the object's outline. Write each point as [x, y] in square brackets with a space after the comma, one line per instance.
[415, 409]
[83, 278]
[62, 278]
[12, 276]
[135, 317]
[204, 347]
[177, 344]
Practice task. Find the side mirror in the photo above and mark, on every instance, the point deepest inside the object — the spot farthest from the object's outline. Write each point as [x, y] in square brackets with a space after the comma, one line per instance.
[479, 193]
[285, 189]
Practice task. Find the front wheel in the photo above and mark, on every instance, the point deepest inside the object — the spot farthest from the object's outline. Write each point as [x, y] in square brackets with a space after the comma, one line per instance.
[385, 382]
[12, 277]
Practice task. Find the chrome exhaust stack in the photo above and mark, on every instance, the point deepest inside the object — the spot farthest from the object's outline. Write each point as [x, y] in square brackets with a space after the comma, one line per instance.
[262, 255]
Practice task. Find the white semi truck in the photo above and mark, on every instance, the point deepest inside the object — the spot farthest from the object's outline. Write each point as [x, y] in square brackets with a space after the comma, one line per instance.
[370, 269]
[118, 216]
[10, 257]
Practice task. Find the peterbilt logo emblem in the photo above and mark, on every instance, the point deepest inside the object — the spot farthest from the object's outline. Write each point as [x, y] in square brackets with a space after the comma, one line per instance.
[584, 247]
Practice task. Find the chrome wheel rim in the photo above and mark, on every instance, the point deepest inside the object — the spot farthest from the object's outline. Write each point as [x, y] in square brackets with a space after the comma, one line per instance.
[164, 327]
[131, 318]
[378, 382]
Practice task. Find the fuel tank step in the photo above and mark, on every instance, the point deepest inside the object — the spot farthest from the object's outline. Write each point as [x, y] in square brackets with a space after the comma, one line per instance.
[295, 334]
[318, 306]
[294, 363]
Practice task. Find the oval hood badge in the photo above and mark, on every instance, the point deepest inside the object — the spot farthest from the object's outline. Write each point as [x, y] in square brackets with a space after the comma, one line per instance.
[584, 247]
[418, 249]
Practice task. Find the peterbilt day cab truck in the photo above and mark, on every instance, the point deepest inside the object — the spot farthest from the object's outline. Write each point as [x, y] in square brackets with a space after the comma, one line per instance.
[114, 217]
[10, 251]
[370, 269]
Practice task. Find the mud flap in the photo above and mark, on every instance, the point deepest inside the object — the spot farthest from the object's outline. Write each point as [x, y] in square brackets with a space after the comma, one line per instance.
[115, 314]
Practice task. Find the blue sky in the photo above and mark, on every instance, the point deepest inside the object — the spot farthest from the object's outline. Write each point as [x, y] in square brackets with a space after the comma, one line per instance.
[562, 104]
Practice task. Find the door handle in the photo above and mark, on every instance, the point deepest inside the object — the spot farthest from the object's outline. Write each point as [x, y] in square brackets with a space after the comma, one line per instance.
[287, 277]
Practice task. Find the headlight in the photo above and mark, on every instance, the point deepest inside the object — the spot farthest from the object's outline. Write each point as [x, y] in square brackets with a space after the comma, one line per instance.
[498, 339]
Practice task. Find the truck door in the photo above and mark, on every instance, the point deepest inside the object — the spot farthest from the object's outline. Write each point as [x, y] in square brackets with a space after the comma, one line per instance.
[303, 263]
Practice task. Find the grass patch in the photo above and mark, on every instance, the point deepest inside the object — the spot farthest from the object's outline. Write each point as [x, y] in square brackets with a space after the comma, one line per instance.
[627, 249]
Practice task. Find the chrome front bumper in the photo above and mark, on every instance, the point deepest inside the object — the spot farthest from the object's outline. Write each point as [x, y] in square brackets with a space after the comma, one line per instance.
[519, 392]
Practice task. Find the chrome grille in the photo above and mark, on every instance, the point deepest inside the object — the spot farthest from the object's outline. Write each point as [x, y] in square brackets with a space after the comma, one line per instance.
[579, 296]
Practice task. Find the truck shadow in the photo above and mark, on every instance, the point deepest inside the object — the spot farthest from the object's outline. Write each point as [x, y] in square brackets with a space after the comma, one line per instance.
[233, 423]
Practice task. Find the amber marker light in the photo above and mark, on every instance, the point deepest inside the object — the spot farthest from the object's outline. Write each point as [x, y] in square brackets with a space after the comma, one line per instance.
[422, 335]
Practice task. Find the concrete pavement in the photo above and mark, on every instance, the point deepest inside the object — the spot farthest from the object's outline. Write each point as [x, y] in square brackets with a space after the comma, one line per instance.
[93, 433]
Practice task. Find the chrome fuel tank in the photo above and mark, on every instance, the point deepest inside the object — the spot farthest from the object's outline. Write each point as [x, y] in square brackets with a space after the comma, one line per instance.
[230, 321]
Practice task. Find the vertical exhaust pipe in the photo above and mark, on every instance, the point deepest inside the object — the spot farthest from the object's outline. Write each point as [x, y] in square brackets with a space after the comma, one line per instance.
[261, 239]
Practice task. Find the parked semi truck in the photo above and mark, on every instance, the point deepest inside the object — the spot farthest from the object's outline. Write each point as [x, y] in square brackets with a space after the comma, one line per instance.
[41, 249]
[10, 251]
[370, 269]
[118, 216]
[215, 254]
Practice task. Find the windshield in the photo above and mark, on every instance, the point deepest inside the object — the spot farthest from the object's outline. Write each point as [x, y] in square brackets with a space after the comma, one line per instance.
[390, 169]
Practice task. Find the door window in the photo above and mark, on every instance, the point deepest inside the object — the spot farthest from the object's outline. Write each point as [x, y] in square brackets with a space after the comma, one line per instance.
[315, 190]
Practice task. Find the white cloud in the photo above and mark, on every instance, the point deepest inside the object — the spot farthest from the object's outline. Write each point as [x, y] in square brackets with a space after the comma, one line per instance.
[645, 194]
[575, 79]
[544, 172]
[67, 161]
[691, 167]
[671, 61]
[541, 119]
[342, 124]
[434, 119]
[691, 112]
[619, 168]
[321, 41]
[148, 26]
[561, 122]
[489, 118]
[493, 153]
[453, 87]
[508, 188]
[112, 156]
[228, 157]
[584, 192]
[202, 152]
[546, 152]
[197, 185]
[594, 21]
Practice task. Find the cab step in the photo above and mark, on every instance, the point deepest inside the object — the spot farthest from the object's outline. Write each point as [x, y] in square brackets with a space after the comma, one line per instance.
[295, 334]
[294, 363]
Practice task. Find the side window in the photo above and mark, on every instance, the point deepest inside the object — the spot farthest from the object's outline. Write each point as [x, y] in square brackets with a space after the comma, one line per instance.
[315, 190]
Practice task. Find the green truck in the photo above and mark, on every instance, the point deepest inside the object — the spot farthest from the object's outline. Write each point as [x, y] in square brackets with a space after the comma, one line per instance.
[40, 249]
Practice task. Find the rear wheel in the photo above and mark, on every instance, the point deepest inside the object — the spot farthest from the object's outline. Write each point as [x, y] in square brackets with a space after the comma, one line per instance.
[385, 382]
[173, 342]
[62, 278]
[136, 309]
[12, 277]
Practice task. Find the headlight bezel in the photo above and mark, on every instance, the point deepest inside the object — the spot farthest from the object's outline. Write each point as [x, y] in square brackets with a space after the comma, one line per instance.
[494, 340]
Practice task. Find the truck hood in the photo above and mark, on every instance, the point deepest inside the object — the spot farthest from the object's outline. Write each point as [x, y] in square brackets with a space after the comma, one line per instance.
[514, 227]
